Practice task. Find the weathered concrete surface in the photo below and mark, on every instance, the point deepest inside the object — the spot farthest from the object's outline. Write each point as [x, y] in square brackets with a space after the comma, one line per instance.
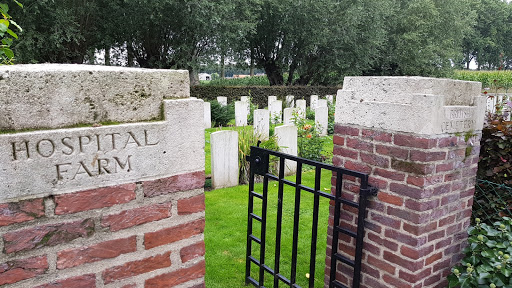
[261, 124]
[224, 151]
[59, 161]
[322, 119]
[287, 140]
[61, 95]
[411, 104]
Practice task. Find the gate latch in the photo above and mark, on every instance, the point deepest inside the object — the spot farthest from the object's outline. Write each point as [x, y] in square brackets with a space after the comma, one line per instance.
[370, 191]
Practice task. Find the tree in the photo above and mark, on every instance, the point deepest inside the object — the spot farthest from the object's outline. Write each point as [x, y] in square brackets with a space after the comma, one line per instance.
[425, 39]
[7, 35]
[490, 40]
[60, 31]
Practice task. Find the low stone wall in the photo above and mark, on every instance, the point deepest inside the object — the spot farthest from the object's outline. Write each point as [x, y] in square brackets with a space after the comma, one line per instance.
[101, 205]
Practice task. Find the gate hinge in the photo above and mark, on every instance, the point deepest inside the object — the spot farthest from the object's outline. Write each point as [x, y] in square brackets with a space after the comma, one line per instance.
[370, 191]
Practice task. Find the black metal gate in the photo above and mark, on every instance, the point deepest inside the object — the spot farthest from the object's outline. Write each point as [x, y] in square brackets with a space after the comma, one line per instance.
[259, 165]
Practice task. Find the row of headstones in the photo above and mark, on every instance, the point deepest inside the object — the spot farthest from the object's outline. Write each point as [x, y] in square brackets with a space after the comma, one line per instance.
[275, 113]
[224, 154]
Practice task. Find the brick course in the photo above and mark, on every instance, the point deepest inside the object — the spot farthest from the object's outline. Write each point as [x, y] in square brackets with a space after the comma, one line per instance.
[128, 238]
[416, 226]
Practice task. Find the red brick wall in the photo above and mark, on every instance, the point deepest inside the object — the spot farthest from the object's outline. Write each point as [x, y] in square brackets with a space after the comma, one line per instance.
[144, 234]
[416, 226]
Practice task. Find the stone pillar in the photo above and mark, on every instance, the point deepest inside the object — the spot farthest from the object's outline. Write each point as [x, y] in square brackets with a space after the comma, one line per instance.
[287, 139]
[224, 152]
[207, 115]
[276, 112]
[261, 124]
[313, 102]
[117, 205]
[288, 116]
[241, 113]
[301, 106]
[270, 100]
[223, 101]
[322, 120]
[418, 138]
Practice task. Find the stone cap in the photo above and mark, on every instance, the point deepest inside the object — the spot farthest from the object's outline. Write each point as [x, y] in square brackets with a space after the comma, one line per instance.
[411, 104]
[49, 96]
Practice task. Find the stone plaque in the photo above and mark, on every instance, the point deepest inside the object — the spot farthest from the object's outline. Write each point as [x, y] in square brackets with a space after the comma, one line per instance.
[64, 160]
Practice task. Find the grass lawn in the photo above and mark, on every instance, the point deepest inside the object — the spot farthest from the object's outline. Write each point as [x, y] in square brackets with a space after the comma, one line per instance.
[226, 227]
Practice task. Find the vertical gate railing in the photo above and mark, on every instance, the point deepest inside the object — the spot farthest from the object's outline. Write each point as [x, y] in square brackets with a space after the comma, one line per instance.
[259, 165]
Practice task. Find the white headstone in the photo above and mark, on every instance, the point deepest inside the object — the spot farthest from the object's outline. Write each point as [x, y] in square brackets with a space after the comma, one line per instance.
[301, 106]
[287, 139]
[244, 98]
[261, 124]
[321, 120]
[276, 112]
[270, 100]
[313, 99]
[288, 116]
[289, 101]
[329, 98]
[224, 153]
[207, 115]
[241, 113]
[321, 103]
[223, 101]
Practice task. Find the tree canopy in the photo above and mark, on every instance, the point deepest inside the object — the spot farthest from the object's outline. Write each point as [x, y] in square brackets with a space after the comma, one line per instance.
[305, 42]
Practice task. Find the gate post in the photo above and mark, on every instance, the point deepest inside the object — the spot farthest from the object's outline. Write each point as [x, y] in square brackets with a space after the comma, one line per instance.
[419, 140]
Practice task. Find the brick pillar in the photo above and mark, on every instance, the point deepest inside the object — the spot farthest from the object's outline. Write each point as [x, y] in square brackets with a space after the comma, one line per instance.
[418, 138]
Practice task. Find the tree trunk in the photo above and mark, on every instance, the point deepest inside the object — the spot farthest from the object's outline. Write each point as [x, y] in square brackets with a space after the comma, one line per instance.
[91, 56]
[293, 66]
[194, 76]
[107, 56]
[129, 50]
[252, 64]
[222, 67]
[274, 73]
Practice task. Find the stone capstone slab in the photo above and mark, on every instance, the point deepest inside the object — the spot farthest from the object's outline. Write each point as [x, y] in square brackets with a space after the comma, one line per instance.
[411, 104]
[37, 96]
[49, 162]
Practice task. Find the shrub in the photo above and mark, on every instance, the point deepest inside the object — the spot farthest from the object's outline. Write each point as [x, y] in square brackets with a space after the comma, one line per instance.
[246, 139]
[487, 262]
[490, 79]
[310, 114]
[332, 109]
[259, 94]
[309, 143]
[495, 163]
[221, 115]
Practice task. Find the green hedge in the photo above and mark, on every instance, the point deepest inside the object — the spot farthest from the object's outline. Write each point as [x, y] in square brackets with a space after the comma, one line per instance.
[489, 79]
[260, 94]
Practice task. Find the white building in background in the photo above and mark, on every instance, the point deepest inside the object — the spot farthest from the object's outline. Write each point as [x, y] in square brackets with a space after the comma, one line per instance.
[205, 77]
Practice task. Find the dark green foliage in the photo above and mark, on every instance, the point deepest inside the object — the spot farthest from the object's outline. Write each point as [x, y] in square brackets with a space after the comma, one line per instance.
[488, 261]
[309, 143]
[495, 162]
[259, 94]
[247, 81]
[221, 115]
[491, 201]
[332, 109]
[310, 114]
